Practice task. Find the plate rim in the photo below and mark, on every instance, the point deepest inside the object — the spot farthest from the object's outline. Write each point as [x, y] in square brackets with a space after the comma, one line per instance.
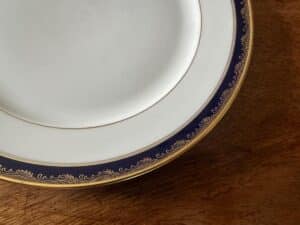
[148, 164]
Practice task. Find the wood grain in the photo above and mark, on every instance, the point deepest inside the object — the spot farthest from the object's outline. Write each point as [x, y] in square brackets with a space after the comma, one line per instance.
[246, 172]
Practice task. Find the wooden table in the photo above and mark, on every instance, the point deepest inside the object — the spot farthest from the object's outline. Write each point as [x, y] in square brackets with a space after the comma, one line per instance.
[246, 172]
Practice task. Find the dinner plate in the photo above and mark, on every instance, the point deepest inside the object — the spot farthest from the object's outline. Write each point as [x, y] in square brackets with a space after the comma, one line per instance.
[97, 92]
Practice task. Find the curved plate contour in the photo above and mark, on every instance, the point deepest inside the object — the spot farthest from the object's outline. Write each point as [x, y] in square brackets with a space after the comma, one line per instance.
[159, 153]
[94, 63]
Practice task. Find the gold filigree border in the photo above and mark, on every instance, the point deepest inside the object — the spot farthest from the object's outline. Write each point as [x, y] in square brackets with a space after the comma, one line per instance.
[148, 164]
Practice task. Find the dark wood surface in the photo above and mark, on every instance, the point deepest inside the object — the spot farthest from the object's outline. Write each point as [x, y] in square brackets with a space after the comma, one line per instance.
[246, 172]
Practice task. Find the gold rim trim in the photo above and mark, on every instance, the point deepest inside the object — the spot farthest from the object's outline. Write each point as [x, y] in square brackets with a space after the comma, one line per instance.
[149, 164]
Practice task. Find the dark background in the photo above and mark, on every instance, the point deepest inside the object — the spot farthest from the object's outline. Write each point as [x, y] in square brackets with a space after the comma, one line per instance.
[246, 172]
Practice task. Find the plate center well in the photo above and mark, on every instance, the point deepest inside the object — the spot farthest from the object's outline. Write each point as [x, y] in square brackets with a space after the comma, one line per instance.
[78, 64]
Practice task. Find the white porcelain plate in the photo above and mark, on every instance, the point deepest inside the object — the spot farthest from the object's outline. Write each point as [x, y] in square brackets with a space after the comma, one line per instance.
[99, 91]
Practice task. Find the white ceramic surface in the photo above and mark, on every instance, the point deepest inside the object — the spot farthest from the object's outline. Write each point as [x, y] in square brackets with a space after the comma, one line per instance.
[77, 64]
